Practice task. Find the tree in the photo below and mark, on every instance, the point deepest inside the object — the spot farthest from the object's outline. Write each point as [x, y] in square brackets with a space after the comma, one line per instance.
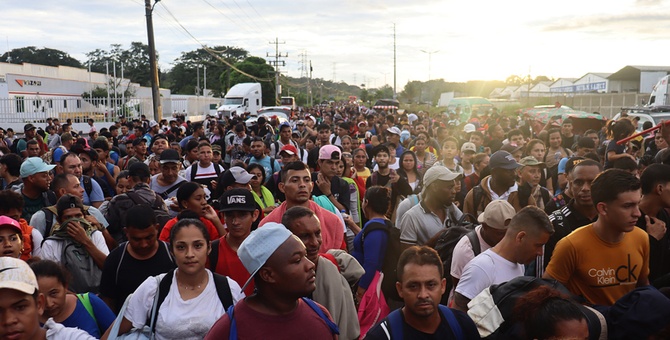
[183, 76]
[259, 68]
[40, 56]
[135, 60]
[514, 80]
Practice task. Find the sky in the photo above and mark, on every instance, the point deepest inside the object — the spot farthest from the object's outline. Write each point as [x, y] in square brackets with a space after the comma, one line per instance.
[353, 41]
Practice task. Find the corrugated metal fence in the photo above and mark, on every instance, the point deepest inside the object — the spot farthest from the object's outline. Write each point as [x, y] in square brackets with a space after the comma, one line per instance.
[37, 109]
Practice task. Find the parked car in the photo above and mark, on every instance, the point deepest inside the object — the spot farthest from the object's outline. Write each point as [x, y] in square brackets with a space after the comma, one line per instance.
[647, 114]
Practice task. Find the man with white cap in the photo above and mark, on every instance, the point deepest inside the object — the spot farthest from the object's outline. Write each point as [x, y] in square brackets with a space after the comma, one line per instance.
[435, 211]
[393, 136]
[524, 239]
[21, 305]
[494, 221]
[327, 182]
[277, 262]
[35, 189]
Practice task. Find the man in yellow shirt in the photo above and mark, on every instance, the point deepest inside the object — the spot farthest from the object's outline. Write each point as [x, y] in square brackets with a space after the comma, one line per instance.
[609, 258]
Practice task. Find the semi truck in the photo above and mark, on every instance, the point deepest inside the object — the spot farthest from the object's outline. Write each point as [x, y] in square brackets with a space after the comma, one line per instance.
[241, 98]
[659, 95]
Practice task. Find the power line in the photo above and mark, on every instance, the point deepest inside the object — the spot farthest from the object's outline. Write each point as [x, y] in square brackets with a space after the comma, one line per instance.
[227, 17]
[246, 15]
[259, 15]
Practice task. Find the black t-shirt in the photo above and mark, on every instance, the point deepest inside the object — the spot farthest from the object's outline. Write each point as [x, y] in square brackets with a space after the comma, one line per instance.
[399, 188]
[132, 272]
[443, 331]
[313, 158]
[659, 250]
[567, 142]
[338, 187]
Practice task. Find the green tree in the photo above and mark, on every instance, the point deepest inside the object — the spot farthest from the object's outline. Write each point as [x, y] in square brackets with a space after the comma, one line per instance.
[135, 60]
[184, 75]
[40, 56]
[258, 68]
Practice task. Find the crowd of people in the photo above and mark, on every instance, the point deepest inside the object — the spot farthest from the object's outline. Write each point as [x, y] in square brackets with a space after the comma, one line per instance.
[339, 222]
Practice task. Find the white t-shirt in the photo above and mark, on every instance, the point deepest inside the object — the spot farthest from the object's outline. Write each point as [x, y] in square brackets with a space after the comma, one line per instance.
[53, 249]
[463, 253]
[487, 269]
[179, 319]
[394, 166]
[56, 331]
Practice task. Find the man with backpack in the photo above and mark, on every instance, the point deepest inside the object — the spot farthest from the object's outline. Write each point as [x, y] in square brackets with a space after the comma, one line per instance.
[144, 255]
[20, 145]
[204, 171]
[327, 182]
[283, 275]
[35, 187]
[500, 185]
[421, 284]
[524, 239]
[93, 195]
[139, 178]
[436, 210]
[284, 139]
[167, 182]
[270, 164]
[494, 221]
[45, 219]
[76, 244]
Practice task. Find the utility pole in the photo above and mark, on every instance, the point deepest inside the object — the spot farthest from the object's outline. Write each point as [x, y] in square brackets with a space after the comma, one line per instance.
[309, 85]
[276, 63]
[430, 54]
[155, 92]
[394, 65]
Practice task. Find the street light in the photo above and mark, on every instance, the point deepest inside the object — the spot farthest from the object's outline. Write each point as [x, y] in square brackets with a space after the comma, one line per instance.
[430, 54]
[155, 93]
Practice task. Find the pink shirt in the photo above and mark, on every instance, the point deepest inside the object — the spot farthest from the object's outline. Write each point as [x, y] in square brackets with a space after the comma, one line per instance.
[332, 228]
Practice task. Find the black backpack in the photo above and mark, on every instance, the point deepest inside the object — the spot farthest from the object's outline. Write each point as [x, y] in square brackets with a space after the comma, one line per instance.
[162, 216]
[389, 268]
[194, 170]
[88, 186]
[504, 296]
[445, 241]
[220, 282]
[14, 147]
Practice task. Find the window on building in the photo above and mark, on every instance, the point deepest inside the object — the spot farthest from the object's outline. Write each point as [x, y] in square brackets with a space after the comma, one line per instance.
[65, 103]
[20, 104]
[79, 103]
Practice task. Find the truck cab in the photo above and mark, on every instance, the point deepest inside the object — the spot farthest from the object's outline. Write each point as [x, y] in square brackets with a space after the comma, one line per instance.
[241, 98]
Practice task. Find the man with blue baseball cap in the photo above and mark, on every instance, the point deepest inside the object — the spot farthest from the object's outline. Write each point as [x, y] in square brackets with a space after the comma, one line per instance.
[36, 177]
[500, 185]
[277, 262]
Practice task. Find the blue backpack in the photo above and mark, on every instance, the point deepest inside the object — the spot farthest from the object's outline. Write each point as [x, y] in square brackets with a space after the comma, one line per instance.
[396, 324]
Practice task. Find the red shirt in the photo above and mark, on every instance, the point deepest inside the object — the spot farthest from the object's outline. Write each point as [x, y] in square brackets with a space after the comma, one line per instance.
[229, 264]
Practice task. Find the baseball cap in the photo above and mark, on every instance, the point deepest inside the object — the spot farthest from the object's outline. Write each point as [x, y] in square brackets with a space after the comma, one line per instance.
[152, 123]
[234, 175]
[28, 127]
[467, 146]
[469, 128]
[237, 200]
[394, 130]
[329, 152]
[531, 161]
[68, 201]
[510, 147]
[16, 274]
[10, 222]
[34, 165]
[502, 159]
[139, 169]
[300, 122]
[435, 173]
[496, 214]
[284, 124]
[412, 117]
[139, 140]
[363, 123]
[216, 148]
[169, 156]
[257, 248]
[289, 149]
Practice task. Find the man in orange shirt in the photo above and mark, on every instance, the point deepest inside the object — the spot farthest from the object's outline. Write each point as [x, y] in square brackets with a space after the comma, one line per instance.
[605, 260]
